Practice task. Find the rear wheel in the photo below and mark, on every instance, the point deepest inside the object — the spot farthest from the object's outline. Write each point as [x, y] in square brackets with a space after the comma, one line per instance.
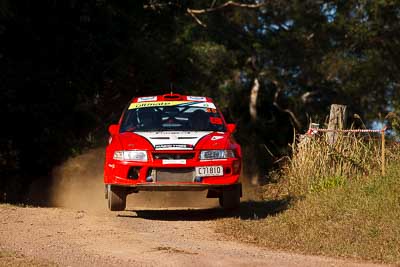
[116, 198]
[230, 198]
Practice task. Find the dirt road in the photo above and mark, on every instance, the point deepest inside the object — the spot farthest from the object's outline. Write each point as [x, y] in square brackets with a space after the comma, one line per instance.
[161, 237]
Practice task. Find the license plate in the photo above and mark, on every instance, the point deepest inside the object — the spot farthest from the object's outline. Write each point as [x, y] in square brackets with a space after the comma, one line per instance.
[209, 171]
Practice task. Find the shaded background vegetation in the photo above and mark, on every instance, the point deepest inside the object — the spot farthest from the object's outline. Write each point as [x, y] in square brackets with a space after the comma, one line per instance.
[68, 67]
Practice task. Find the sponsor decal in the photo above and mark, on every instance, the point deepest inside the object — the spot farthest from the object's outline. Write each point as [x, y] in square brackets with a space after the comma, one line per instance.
[204, 105]
[172, 133]
[181, 146]
[156, 104]
[214, 120]
[147, 98]
[171, 103]
[197, 98]
[216, 137]
[174, 161]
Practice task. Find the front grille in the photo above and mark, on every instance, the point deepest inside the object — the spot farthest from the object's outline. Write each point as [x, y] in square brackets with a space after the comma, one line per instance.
[173, 155]
[175, 175]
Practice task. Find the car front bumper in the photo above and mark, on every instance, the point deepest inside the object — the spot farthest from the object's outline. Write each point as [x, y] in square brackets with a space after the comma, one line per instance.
[146, 176]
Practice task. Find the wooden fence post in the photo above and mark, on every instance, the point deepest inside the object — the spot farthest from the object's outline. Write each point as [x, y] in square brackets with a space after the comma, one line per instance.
[337, 120]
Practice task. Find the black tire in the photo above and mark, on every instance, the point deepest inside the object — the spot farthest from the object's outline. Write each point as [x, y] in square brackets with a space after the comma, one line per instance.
[230, 198]
[116, 198]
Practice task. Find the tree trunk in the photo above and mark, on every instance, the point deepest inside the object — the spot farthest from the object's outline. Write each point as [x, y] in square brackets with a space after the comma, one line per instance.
[253, 100]
[337, 121]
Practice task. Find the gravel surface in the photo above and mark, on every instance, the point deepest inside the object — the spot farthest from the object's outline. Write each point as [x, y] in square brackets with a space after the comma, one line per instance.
[146, 236]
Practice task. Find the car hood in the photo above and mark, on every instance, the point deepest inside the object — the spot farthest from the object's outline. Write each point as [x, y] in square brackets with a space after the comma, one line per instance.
[131, 141]
[185, 140]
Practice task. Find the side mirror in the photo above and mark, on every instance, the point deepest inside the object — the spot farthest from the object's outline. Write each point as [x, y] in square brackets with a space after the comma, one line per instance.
[113, 129]
[231, 127]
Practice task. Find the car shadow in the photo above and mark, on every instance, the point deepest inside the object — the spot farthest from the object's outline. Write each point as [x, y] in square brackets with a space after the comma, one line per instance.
[249, 210]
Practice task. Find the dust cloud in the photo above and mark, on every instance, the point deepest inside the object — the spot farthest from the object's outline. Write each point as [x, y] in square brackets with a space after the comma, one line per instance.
[78, 184]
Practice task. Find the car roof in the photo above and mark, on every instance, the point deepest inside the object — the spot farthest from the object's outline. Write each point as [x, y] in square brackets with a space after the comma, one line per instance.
[171, 97]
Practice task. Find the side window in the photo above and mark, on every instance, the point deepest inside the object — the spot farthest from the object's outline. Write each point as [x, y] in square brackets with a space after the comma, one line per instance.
[129, 123]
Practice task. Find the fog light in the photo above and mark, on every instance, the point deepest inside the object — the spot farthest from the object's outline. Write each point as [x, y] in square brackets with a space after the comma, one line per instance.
[133, 173]
[198, 179]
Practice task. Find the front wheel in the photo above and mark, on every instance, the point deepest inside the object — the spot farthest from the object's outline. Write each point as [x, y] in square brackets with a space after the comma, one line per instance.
[230, 198]
[116, 198]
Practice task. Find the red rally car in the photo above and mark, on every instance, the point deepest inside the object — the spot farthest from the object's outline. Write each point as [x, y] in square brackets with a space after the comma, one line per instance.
[172, 142]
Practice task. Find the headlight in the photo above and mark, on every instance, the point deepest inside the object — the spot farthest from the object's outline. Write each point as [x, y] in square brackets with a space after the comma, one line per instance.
[216, 154]
[133, 155]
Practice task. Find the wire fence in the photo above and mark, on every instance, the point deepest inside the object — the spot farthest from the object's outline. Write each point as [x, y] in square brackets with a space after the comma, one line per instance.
[315, 130]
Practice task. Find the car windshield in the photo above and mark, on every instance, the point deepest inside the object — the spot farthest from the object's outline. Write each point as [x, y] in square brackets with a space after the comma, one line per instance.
[172, 116]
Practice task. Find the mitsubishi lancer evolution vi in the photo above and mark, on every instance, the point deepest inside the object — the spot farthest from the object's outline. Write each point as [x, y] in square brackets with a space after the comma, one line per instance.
[172, 142]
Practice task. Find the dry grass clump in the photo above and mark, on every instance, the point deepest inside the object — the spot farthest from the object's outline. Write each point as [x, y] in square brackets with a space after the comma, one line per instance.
[317, 165]
[357, 220]
[337, 202]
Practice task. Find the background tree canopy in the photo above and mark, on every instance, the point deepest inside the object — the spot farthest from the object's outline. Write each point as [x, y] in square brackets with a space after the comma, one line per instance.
[68, 67]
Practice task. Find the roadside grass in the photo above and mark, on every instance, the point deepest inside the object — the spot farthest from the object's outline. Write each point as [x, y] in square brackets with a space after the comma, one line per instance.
[351, 212]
